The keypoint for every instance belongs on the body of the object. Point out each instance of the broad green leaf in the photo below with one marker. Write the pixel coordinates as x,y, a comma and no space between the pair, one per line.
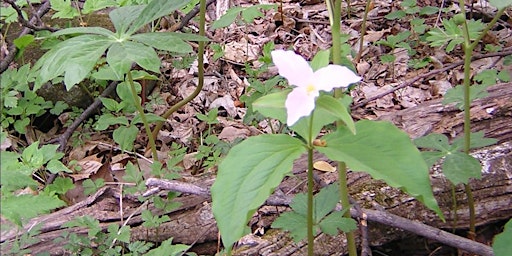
124,16
165,41
247,177
63,9
167,248
125,136
428,10
335,221
75,57
328,105
325,201
23,41
395,15
253,12
459,167
96,5
151,118
107,120
477,141
501,245
154,10
272,105
110,104
121,56
434,141
56,166
456,95
85,30
321,59
385,152
15,209
228,18
500,4
431,157
294,222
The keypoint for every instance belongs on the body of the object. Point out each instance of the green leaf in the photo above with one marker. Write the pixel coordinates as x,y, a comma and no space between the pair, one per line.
96,5
246,178
500,4
61,185
75,58
459,167
395,15
151,118
501,245
63,9
456,95
110,104
125,136
23,41
431,157
121,56
165,41
477,141
325,201
385,152
272,105
124,16
85,30
321,59
253,12
107,120
154,10
335,221
328,105
434,141
59,107
428,10
167,248
56,166
294,222
228,18
15,209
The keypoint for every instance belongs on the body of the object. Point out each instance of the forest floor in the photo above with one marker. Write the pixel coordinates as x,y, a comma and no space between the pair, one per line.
416,75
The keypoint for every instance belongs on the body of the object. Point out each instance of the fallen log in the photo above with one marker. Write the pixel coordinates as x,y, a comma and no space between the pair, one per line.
193,222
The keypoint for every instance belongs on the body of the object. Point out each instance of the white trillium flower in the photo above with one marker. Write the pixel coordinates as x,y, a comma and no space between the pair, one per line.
308,84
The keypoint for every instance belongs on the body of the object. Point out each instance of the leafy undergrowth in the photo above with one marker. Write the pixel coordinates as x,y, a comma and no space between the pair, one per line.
404,41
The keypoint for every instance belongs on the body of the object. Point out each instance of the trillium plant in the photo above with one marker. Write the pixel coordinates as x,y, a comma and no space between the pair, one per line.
254,168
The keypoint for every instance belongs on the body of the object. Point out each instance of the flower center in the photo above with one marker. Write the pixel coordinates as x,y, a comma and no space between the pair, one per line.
310,88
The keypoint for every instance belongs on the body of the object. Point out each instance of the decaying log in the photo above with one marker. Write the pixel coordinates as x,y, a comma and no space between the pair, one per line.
193,222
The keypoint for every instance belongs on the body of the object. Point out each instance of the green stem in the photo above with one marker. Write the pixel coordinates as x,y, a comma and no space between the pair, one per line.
200,67
142,116
342,169
468,48
363,32
311,235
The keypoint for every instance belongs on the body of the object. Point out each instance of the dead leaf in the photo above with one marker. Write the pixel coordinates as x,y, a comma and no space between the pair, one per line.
324,166
231,133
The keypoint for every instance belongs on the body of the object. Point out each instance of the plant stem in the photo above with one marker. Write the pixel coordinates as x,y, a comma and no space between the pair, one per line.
142,116
200,72
311,235
363,31
336,59
468,48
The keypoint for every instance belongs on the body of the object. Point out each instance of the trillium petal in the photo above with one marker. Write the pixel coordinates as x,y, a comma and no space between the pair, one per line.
292,67
298,104
334,76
